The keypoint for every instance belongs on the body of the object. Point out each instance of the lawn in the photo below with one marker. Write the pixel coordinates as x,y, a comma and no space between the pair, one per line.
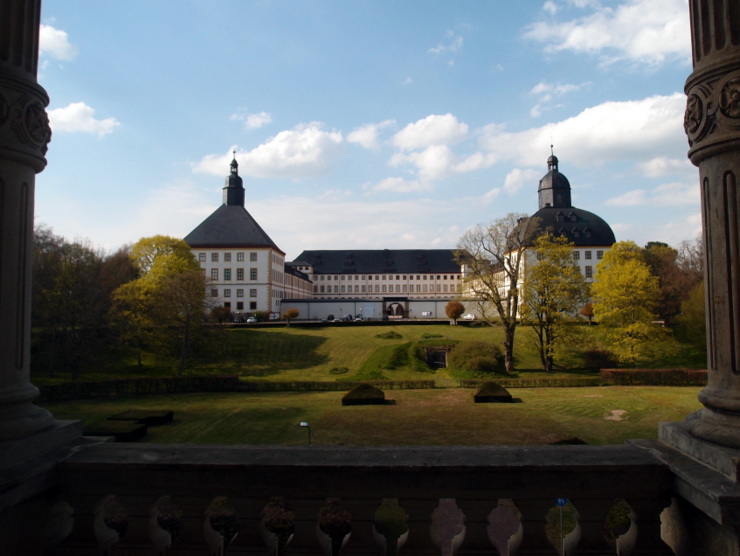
603,415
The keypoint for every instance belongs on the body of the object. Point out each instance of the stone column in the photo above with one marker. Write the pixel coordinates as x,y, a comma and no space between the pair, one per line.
24,135
712,123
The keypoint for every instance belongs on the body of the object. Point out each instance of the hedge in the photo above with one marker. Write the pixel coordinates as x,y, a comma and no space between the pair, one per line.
654,377
338,386
534,382
138,386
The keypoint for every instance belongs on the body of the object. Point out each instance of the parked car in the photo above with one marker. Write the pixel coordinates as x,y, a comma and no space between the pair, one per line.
469,316
252,319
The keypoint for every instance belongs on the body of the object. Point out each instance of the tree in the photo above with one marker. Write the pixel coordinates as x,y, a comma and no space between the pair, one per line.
692,323
554,289
675,281
492,257
626,298
290,314
588,311
454,309
167,302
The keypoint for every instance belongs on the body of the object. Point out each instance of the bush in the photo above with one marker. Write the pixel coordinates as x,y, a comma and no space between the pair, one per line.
492,392
476,357
389,335
364,394
598,359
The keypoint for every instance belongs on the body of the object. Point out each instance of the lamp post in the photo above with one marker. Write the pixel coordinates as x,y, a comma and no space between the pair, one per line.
308,427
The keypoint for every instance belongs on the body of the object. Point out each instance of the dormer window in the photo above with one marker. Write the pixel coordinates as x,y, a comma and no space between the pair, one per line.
560,217
573,217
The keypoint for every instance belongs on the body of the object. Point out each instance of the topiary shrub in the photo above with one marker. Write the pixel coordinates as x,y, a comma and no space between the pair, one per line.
491,392
597,359
364,394
477,357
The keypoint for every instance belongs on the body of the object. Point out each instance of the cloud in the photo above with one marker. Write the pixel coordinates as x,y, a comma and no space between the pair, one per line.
453,45
400,185
252,121
367,135
643,31
304,151
663,166
518,178
665,195
637,129
434,162
79,117
55,44
435,129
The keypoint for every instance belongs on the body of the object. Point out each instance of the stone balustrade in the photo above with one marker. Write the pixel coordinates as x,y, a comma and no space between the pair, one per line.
435,500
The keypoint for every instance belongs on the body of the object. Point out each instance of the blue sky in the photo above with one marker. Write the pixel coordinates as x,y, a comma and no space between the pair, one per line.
363,124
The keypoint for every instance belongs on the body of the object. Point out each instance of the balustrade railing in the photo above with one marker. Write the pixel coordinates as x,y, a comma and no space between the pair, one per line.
176,499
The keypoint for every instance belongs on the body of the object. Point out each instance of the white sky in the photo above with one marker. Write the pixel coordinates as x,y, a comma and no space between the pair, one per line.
364,124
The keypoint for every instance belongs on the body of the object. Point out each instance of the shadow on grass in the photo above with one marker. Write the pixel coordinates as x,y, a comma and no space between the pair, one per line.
261,355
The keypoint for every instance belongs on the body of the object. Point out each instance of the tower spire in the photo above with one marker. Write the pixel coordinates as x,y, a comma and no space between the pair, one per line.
234,188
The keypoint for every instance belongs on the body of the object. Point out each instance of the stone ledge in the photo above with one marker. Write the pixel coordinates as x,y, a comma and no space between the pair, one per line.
722,459
703,487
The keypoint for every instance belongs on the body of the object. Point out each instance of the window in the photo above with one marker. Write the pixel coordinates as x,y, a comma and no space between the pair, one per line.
227,292
214,257
405,288
589,272
253,257
253,305
385,288
425,288
252,273
599,255
336,289
253,292
398,288
227,274
202,257
214,274
588,254
364,288
240,257
214,292
240,292
227,257
377,288
239,305
322,289
357,289
240,274
342,289
576,255
418,288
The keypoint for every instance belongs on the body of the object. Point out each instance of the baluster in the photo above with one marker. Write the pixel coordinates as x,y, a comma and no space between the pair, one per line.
334,527
448,526
220,525
110,523
648,540
505,528
277,525
390,527
165,523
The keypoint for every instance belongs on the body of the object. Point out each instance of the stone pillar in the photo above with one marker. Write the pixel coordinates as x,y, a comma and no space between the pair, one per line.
712,123
24,135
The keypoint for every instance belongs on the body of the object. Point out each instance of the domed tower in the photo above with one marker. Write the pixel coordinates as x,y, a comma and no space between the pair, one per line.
557,215
234,188
554,190
590,235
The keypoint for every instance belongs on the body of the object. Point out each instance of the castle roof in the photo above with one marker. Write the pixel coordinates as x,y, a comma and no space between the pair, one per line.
380,261
231,225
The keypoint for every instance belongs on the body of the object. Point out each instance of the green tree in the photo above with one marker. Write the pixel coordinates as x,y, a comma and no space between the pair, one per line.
626,297
166,303
492,259
454,309
692,323
554,289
